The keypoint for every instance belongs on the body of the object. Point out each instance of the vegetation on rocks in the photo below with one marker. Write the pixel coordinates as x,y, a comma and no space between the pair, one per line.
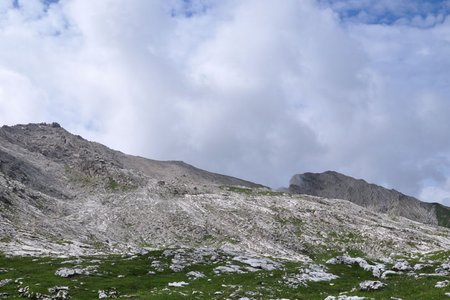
167,275
76,216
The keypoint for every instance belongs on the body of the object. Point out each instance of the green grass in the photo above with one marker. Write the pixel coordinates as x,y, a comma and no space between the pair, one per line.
6,239
443,215
112,184
38,274
250,191
293,224
345,237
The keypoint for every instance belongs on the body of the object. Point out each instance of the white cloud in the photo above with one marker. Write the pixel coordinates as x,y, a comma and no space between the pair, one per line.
437,193
20,99
256,89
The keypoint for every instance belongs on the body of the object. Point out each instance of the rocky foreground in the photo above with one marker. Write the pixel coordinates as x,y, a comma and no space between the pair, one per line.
208,273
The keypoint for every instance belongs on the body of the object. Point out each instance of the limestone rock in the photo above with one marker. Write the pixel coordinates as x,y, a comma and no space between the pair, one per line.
370,285
377,270
442,284
80,198
5,282
402,266
195,275
108,294
313,273
178,284
331,184
69,272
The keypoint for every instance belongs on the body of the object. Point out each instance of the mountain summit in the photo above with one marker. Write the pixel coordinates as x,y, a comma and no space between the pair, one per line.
332,184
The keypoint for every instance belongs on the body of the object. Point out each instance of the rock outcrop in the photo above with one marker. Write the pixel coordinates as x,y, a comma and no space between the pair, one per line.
63,195
331,184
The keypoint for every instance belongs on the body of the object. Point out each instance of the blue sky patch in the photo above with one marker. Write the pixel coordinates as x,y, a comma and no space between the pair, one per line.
386,11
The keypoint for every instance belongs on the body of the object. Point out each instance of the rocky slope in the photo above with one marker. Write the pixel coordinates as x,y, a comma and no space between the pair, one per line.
63,195
335,185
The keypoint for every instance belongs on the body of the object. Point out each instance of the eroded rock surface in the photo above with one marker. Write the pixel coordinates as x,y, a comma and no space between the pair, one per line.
63,195
332,184
69,272
370,285
313,273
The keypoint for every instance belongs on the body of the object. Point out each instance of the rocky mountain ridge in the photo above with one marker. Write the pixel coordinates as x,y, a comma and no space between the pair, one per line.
63,195
332,184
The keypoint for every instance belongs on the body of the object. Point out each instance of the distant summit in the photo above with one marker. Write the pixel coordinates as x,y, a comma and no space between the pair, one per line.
332,184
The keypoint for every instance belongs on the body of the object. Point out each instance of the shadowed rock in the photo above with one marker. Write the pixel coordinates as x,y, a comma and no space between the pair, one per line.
335,185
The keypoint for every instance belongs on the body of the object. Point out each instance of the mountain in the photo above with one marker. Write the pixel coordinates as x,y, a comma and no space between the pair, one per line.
331,184
61,194
68,204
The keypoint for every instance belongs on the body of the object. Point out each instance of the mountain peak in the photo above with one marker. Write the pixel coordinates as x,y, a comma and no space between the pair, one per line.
331,184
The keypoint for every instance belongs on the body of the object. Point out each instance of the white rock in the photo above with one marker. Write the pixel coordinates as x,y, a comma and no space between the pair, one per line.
402,266
228,269
66,272
69,272
178,284
443,269
56,289
62,295
5,282
258,263
314,273
105,294
442,284
102,295
345,297
386,273
370,285
195,275
376,270
418,267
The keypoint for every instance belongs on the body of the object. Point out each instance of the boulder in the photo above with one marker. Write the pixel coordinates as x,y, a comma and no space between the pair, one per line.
442,284
178,284
195,275
69,272
370,285
4,282
402,266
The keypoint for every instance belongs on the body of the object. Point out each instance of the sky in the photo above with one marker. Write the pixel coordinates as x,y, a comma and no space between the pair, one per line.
257,89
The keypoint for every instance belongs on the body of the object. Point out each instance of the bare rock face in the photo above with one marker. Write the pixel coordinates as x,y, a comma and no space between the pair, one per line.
335,185
63,195
58,188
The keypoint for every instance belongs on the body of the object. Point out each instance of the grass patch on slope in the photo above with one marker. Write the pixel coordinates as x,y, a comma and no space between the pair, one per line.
251,191
443,215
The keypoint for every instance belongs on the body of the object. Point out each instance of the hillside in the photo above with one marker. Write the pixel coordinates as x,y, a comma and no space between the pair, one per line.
377,198
98,223
62,193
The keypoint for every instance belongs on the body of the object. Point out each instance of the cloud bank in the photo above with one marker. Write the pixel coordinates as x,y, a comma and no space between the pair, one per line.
258,89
